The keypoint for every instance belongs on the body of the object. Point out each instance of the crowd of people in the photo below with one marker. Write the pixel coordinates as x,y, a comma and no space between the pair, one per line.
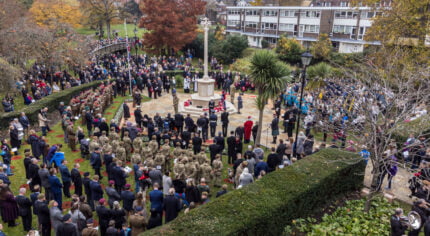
165,157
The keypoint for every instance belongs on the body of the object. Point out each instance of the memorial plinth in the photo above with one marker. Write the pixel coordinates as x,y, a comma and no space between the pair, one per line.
206,89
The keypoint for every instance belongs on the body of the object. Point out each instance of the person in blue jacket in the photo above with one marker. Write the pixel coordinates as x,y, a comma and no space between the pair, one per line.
156,198
66,178
56,187
260,166
57,159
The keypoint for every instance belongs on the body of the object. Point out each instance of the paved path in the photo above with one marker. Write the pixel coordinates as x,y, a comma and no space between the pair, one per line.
399,184
164,105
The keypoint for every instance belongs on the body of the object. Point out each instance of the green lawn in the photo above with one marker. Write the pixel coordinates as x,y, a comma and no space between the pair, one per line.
117,27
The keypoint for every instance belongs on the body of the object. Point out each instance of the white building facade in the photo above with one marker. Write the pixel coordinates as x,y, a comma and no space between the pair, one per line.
345,26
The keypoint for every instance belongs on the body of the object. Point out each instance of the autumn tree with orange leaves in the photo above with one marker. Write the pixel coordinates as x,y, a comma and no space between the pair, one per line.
171,23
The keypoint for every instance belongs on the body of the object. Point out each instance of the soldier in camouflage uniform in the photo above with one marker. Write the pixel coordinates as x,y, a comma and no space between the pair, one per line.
113,135
128,145
103,139
121,153
190,169
146,152
217,170
202,157
137,143
175,103
153,145
159,160
94,144
206,171
179,169
135,158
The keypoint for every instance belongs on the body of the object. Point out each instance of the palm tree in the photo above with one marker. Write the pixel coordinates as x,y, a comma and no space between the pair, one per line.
317,75
269,76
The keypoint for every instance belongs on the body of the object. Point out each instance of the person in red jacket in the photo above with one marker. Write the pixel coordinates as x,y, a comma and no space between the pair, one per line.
248,129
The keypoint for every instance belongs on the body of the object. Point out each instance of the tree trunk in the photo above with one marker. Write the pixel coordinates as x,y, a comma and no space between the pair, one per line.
108,28
260,126
373,186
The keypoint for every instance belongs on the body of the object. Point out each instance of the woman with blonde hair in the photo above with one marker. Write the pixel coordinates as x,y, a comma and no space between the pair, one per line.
118,214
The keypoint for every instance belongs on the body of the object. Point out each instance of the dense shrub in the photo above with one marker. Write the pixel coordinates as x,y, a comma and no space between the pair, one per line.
265,207
349,219
52,101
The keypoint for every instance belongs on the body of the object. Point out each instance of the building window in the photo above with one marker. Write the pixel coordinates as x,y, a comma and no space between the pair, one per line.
271,40
234,12
269,26
346,14
327,4
251,24
343,29
233,23
270,13
343,4
312,28
287,13
252,12
286,27
310,14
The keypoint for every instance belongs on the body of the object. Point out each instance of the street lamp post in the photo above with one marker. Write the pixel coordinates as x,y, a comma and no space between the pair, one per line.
306,60
135,39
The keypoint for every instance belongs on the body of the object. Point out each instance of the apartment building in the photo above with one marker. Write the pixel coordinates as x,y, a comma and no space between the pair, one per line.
345,26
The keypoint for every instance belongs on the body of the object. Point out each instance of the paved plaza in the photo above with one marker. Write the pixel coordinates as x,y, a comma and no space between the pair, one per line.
164,105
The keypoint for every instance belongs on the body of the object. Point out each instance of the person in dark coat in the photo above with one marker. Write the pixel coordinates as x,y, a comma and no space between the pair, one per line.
179,122
107,159
66,178
420,206
8,206
44,178
255,131
275,128
96,162
126,111
197,143
138,116
118,214
56,187
239,132
86,182
24,209
273,160
189,123
155,220
112,194
192,193
33,173
127,198
397,228
27,162
104,127
43,215
67,228
34,140
14,139
214,149
224,121
231,147
77,179
96,189
119,177
171,206
105,216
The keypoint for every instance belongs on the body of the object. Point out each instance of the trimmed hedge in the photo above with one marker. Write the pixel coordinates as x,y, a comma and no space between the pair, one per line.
52,101
265,207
